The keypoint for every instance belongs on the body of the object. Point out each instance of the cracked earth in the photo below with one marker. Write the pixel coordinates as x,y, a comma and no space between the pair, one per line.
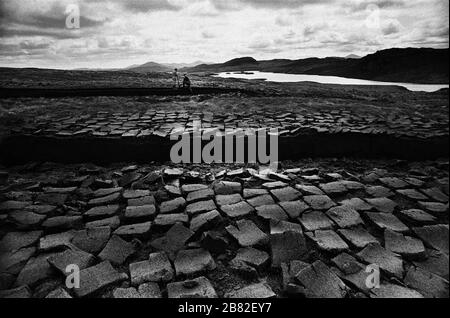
151,231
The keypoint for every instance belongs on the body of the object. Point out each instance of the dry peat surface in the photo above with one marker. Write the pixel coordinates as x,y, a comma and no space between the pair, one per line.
362,188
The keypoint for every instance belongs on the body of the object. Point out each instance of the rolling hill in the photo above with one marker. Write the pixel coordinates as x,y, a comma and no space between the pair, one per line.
153,67
150,67
413,65
353,56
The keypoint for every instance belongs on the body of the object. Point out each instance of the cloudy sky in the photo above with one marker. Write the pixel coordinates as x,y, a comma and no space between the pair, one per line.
118,33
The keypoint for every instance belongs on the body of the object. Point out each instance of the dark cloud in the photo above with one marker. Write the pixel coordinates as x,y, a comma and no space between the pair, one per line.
51,23
54,17
149,5
369,4
43,21
27,32
432,34
280,4
391,28
27,47
2,10
311,30
34,30
30,45
137,6
355,39
443,32
208,35
8,49
430,30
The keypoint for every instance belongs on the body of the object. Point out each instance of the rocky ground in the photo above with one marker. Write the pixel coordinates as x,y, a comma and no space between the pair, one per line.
155,230
298,98
159,230
288,106
145,117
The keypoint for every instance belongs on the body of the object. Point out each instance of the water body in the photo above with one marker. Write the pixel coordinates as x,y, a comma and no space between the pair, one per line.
285,78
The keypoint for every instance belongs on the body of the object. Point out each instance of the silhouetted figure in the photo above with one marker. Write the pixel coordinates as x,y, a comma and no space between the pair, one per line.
176,79
187,83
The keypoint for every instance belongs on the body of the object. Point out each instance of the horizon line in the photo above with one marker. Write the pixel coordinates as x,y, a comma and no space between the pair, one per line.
208,63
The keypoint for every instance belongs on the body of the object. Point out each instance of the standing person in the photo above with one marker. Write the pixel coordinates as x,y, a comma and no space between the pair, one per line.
176,79
187,83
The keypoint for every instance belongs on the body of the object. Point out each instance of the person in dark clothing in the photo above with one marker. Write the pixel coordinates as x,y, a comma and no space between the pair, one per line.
176,79
187,83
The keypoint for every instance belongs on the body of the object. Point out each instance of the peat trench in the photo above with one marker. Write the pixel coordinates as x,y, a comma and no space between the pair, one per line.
18,149
117,91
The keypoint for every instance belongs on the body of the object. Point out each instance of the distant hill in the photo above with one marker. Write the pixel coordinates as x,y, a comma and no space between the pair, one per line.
413,65
153,67
353,56
241,61
405,65
183,65
150,67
